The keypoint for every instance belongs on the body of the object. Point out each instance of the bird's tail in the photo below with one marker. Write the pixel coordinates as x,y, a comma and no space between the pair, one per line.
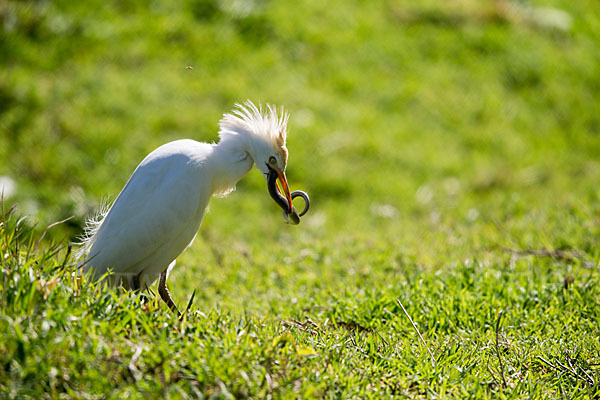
90,231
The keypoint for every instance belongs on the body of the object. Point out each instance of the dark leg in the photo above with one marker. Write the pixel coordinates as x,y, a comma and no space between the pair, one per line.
135,283
164,292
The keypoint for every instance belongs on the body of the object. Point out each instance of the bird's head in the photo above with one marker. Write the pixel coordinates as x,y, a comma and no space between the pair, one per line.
265,132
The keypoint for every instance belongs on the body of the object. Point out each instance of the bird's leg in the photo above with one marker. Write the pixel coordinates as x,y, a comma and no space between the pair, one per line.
164,292
135,283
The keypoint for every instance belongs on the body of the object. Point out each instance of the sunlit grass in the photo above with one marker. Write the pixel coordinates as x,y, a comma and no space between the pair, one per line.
323,321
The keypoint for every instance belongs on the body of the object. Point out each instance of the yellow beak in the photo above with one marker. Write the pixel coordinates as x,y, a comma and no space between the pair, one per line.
284,184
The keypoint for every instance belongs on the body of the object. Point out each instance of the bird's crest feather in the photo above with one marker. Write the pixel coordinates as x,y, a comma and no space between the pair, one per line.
270,123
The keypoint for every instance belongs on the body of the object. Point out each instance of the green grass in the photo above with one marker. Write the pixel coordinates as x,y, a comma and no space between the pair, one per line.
451,152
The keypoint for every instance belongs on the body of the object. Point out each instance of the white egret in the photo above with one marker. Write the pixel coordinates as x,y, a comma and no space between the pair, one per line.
159,211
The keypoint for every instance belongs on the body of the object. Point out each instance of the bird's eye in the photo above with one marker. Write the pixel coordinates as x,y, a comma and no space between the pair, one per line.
272,160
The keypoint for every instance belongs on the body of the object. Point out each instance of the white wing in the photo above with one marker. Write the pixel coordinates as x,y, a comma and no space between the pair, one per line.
156,215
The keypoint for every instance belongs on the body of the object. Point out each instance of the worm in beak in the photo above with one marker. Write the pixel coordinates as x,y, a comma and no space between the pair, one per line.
285,203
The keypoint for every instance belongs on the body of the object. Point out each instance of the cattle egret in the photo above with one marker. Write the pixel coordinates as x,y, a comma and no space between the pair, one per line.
157,214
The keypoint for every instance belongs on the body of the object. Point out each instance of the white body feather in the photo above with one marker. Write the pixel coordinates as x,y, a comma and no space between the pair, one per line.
156,215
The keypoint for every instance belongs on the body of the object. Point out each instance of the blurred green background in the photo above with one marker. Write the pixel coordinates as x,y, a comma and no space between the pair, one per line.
412,122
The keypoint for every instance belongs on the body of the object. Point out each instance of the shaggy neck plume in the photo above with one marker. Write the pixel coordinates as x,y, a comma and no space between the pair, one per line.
231,161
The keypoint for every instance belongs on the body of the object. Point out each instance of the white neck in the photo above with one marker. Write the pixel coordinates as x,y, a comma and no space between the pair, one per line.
230,162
